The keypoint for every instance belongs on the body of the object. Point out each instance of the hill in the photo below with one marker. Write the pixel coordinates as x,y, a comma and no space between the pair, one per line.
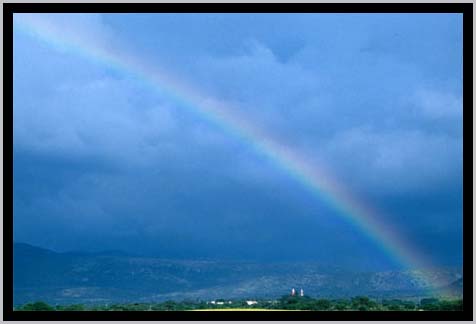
113,276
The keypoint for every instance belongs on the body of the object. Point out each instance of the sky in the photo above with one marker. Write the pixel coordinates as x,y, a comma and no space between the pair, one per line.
104,160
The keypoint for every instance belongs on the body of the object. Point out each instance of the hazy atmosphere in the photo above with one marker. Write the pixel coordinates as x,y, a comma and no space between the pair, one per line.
105,159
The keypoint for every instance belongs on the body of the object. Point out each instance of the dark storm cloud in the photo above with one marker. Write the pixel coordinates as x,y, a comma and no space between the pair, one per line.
103,162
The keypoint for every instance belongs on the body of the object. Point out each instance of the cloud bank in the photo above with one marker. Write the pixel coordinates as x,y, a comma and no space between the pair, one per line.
102,162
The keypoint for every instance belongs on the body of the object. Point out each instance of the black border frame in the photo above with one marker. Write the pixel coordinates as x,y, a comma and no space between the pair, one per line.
465,8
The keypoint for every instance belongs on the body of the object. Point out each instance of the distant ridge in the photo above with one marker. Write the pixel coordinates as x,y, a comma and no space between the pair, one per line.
35,250
103,253
113,276
28,249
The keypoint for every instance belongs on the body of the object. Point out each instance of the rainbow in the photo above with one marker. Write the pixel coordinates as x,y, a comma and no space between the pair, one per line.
313,177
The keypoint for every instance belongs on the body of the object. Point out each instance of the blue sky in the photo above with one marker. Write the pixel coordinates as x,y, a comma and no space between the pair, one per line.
102,161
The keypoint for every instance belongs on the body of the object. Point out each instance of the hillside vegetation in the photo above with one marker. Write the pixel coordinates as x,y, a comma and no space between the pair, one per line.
113,277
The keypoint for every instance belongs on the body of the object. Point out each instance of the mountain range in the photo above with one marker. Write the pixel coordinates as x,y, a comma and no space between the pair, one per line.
117,277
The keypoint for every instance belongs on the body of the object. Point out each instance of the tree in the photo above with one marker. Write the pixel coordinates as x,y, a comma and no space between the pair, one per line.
37,306
77,307
363,303
430,304
341,304
322,304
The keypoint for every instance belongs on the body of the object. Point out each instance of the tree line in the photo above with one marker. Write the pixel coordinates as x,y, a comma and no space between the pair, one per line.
360,303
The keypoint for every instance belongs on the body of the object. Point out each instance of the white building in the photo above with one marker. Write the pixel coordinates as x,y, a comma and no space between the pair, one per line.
251,302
